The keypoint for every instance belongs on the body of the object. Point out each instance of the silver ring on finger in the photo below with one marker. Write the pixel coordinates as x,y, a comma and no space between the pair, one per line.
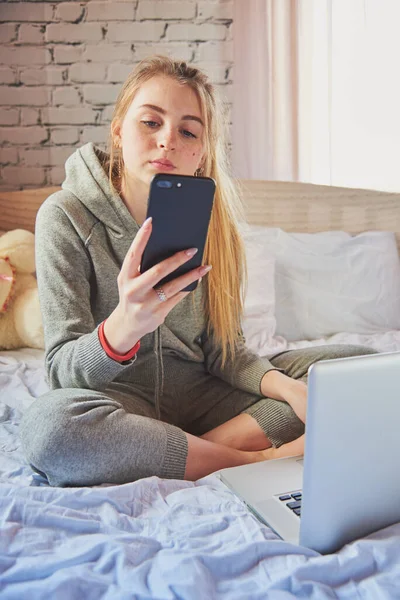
161,294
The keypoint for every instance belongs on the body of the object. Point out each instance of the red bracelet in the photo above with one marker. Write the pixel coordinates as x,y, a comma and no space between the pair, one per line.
110,352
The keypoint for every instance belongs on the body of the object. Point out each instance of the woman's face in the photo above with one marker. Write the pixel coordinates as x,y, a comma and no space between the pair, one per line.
162,131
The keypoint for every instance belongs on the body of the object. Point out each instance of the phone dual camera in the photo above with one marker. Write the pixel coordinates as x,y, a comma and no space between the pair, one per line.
166,184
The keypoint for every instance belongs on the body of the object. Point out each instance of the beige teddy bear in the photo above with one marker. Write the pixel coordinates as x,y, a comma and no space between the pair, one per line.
20,318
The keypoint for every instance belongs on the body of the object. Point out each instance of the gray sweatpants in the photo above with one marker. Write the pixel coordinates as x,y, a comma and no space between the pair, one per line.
82,437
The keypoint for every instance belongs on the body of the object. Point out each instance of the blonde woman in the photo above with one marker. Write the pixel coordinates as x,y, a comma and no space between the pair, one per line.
149,381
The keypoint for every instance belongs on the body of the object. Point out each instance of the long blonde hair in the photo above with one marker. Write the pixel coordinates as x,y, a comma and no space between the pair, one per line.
223,300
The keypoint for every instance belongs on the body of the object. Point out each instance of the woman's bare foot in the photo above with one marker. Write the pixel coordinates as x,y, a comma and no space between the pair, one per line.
205,457
294,448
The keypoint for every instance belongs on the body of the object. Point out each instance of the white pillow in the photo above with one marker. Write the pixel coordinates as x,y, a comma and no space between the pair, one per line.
332,282
259,322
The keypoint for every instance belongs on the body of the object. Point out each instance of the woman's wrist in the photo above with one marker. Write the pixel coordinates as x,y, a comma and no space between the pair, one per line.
115,332
277,385
111,353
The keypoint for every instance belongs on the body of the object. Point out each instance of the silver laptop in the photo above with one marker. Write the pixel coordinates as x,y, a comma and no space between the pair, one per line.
348,484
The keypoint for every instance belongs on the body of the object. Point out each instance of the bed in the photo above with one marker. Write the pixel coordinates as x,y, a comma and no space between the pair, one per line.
166,539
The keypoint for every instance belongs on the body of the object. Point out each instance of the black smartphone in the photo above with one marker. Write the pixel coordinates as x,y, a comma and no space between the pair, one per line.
180,206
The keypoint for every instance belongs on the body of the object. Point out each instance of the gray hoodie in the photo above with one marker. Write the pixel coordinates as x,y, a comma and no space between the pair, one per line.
83,233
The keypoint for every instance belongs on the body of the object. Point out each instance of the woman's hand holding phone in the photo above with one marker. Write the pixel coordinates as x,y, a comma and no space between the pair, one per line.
140,309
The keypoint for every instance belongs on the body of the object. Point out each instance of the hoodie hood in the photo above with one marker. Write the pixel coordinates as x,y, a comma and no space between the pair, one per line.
88,181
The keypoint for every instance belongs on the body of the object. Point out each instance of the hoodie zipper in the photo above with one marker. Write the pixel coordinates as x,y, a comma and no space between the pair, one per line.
159,386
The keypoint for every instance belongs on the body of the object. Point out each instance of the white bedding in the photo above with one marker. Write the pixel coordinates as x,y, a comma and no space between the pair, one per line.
388,341
161,538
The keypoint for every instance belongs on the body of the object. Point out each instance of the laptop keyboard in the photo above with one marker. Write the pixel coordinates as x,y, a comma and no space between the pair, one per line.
292,501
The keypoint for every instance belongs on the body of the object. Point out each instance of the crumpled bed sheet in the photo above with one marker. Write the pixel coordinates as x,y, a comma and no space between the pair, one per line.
159,539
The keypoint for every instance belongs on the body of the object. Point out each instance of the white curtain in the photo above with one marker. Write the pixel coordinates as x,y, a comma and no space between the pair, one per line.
264,132
333,116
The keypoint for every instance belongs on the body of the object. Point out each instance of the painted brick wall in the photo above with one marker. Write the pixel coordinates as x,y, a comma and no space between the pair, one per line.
63,63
